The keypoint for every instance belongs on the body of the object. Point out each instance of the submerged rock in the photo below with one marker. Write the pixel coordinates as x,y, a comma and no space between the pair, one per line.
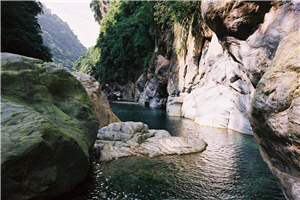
100,103
48,127
133,138
276,116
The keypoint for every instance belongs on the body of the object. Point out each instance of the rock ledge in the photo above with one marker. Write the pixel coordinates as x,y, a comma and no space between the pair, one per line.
123,139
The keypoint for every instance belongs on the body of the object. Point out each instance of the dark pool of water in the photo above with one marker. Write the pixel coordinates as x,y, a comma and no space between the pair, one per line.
230,168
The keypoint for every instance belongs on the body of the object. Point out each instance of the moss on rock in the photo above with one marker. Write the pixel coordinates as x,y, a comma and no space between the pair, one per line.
48,128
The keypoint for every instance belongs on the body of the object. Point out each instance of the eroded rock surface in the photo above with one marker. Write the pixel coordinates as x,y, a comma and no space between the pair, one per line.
48,127
218,87
100,103
154,93
276,116
133,139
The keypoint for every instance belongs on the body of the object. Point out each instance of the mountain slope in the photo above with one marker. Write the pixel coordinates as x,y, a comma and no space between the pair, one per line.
57,35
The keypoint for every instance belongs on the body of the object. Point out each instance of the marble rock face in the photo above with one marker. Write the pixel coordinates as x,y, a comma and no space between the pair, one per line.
219,77
100,103
276,116
134,139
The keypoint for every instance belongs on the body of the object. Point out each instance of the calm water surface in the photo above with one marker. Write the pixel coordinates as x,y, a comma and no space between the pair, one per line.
230,168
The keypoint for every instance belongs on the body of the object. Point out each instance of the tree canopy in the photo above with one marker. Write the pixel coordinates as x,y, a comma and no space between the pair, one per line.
20,31
127,36
87,61
125,41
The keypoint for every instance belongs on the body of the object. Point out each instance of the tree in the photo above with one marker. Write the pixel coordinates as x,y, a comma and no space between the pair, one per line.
125,41
20,31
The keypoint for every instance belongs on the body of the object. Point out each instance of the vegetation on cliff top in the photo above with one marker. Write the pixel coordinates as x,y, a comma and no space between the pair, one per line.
57,35
20,31
127,37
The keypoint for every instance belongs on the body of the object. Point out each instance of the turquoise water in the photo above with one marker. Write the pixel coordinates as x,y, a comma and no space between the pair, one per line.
230,168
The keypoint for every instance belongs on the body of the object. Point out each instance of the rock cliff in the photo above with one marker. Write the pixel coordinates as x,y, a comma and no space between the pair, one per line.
218,91
276,115
100,103
218,60
48,127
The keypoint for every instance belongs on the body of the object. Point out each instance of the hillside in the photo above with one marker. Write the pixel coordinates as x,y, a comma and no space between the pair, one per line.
57,35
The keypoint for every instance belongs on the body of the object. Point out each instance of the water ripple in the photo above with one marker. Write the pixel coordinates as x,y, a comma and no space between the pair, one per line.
230,168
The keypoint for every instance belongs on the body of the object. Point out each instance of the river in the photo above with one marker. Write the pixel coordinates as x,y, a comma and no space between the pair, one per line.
230,168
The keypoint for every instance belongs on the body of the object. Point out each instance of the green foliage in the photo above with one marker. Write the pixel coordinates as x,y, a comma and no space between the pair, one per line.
87,61
125,41
181,12
126,38
64,44
175,11
20,31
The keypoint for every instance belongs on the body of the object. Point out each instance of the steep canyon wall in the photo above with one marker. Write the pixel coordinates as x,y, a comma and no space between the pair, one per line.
226,52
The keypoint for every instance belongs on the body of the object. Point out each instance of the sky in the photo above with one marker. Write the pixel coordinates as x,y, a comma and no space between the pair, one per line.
78,15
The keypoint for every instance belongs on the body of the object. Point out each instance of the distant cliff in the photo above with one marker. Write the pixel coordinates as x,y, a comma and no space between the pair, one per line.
57,35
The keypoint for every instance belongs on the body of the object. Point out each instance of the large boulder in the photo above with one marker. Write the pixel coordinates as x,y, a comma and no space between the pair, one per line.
276,116
100,103
48,127
134,139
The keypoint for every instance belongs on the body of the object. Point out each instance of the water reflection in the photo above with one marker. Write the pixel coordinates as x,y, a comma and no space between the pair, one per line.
230,168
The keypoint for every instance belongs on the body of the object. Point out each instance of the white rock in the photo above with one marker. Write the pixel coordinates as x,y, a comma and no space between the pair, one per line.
115,144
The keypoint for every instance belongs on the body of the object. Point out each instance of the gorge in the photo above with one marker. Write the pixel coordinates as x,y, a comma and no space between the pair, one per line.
207,68
224,71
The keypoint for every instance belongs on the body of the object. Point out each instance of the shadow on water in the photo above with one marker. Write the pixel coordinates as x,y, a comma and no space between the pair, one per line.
230,168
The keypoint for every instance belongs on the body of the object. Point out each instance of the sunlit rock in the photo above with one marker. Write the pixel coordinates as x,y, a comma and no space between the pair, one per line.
223,97
100,103
174,105
219,84
115,141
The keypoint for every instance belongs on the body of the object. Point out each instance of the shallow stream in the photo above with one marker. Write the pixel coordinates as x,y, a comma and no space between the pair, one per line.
230,168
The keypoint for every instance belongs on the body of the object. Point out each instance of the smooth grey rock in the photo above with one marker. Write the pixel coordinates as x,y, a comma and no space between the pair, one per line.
174,105
127,128
159,134
214,102
115,126
276,116
148,143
